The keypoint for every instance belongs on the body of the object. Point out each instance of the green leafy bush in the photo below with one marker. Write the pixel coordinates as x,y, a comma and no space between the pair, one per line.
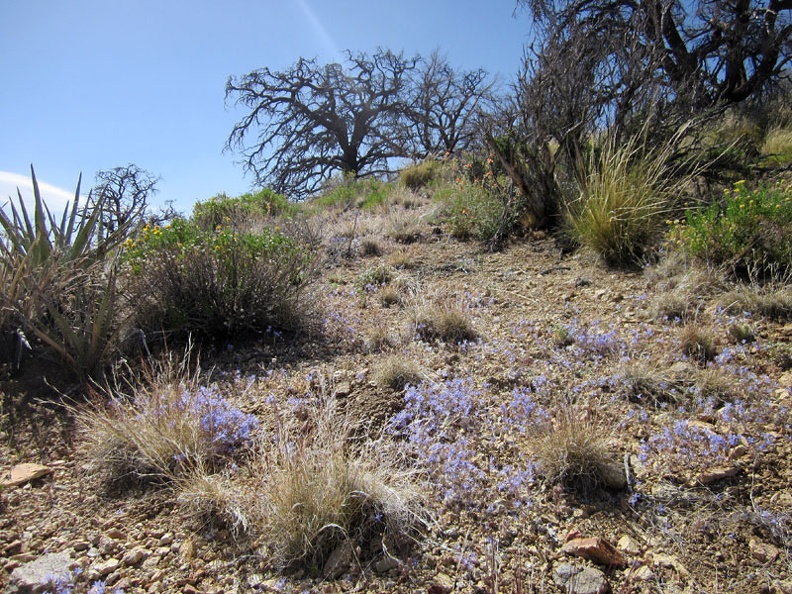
223,210
218,284
749,231
473,212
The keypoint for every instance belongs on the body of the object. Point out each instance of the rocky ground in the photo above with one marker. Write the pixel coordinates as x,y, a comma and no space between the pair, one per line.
698,440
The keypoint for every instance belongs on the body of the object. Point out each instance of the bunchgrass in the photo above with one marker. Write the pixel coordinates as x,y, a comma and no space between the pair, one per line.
319,490
698,342
396,372
574,451
625,196
447,322
170,427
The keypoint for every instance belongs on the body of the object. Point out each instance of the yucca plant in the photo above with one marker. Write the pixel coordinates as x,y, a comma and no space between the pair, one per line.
61,279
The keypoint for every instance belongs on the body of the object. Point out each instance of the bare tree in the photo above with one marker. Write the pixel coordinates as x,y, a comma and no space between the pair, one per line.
310,121
122,194
706,52
445,107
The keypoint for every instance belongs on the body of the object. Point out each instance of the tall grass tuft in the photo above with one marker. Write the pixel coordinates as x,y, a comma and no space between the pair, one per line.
625,195
321,491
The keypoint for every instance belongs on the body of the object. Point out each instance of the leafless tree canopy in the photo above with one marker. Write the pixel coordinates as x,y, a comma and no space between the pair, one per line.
123,194
311,121
445,107
704,52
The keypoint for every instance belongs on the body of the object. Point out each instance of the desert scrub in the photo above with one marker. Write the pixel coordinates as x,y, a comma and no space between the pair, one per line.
218,284
320,491
749,231
473,211
396,372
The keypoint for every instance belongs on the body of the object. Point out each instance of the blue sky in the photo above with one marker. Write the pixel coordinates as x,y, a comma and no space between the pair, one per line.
93,84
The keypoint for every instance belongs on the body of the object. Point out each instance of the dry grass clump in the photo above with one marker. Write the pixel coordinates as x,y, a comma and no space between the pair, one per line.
404,227
683,291
573,450
698,342
445,322
773,301
370,248
170,427
644,383
213,500
319,492
396,372
404,258
390,295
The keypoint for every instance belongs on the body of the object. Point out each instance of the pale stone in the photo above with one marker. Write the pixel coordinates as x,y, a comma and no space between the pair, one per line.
24,473
39,574
595,549
589,581
629,545
763,552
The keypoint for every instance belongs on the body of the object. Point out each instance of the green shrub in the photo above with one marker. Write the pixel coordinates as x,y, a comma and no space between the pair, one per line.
474,213
222,210
218,284
420,175
750,231
354,193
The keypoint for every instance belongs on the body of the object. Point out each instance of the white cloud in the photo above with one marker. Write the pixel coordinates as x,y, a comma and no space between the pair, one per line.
54,197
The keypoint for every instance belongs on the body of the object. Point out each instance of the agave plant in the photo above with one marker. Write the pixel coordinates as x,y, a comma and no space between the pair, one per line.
61,279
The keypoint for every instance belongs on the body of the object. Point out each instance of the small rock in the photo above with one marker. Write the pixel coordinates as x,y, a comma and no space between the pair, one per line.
763,552
24,473
38,574
166,539
340,560
442,584
343,389
115,534
629,545
589,581
595,549
563,573
135,556
13,548
717,473
669,561
643,574
105,567
81,545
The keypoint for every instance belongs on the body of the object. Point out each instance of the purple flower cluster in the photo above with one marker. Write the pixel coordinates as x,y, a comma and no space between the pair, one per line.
451,433
685,445
224,428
